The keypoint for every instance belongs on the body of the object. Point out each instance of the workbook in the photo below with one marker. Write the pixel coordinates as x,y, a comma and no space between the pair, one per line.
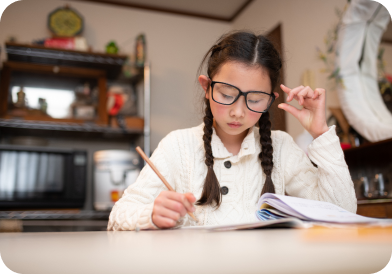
279,211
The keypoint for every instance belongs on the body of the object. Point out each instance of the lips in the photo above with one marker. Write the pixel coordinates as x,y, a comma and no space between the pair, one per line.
234,124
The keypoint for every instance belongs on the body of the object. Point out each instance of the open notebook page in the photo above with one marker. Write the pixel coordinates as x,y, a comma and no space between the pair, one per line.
315,210
281,223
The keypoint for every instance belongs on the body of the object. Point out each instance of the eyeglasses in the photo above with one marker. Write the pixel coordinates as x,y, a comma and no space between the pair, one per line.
226,94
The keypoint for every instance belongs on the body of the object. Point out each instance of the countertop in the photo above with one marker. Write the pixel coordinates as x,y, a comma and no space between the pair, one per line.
316,250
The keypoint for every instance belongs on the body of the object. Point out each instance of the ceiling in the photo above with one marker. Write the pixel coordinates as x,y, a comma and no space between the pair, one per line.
223,10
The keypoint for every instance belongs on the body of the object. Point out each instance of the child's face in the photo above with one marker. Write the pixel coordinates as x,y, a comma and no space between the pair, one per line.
236,118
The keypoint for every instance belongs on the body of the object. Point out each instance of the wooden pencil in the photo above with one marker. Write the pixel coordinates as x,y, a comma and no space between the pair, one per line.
144,156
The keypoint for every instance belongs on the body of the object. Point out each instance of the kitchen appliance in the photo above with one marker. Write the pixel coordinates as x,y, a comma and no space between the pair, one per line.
115,170
42,177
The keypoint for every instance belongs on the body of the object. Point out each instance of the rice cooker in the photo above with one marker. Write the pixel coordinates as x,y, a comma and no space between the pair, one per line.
115,170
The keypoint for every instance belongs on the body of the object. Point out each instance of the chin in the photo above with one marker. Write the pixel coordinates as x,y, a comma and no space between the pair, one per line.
235,131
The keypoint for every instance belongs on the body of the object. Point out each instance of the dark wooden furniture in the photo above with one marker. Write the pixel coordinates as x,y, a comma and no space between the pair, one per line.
367,160
38,63
35,64
375,208
10,67
25,53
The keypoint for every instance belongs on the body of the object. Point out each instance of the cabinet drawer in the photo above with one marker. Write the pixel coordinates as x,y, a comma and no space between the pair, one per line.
382,210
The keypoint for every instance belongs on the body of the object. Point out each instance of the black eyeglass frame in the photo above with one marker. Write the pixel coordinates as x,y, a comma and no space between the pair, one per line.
241,93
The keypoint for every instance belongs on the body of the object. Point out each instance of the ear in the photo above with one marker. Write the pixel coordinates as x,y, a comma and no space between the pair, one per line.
204,83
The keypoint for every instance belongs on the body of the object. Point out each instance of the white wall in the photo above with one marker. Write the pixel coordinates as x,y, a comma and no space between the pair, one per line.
304,25
175,46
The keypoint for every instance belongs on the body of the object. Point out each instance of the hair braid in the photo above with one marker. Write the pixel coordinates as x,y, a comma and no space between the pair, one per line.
265,155
211,190
208,122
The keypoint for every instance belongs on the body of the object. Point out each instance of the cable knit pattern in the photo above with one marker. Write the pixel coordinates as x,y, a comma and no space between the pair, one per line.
180,158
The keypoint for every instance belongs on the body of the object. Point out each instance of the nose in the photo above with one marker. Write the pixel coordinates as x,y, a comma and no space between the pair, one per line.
238,108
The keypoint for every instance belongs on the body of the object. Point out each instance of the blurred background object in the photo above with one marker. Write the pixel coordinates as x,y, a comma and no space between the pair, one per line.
112,48
11,226
359,37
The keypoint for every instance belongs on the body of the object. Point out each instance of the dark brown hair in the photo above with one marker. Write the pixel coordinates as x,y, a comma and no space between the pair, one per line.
252,50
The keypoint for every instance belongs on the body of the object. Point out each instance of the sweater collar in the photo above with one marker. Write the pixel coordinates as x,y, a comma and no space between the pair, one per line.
219,150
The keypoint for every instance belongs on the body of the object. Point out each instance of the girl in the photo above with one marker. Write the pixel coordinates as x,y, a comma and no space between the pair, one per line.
220,168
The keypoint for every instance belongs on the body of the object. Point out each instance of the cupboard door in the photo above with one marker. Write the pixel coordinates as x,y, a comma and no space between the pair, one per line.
382,210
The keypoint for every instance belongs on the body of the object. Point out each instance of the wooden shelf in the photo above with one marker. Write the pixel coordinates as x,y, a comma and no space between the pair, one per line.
10,67
368,160
369,145
62,129
55,215
377,156
374,201
380,210
110,63
60,70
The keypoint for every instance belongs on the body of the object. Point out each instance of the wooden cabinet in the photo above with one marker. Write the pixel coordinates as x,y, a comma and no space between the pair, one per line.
375,209
43,67
48,66
47,71
368,160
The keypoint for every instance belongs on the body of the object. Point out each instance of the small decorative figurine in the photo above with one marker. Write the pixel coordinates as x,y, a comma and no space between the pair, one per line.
21,100
43,105
140,50
111,48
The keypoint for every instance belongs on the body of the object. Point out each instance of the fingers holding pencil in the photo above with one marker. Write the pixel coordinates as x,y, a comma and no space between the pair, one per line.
165,211
170,206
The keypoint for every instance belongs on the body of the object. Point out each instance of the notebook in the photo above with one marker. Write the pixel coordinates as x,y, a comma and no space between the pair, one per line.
279,211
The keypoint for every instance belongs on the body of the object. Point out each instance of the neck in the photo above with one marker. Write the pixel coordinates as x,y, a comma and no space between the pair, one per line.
231,142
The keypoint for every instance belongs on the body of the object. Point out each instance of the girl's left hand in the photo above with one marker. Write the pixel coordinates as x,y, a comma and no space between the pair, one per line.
312,115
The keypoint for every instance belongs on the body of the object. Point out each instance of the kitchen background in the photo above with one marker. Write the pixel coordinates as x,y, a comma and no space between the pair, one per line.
177,35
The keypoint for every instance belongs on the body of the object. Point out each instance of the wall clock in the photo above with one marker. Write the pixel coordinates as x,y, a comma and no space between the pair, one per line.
65,22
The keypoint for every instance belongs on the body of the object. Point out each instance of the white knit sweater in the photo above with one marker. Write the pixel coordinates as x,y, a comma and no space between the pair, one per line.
180,158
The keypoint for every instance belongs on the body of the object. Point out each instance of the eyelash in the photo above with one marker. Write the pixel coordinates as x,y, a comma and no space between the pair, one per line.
253,102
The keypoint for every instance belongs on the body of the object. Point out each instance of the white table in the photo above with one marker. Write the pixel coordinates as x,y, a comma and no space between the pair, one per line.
186,251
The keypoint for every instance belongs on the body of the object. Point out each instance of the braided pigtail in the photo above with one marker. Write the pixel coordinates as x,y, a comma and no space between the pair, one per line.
211,189
265,155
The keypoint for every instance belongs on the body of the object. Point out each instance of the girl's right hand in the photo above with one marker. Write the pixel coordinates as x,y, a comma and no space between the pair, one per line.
170,206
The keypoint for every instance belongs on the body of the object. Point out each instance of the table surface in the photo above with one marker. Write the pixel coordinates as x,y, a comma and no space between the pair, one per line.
316,250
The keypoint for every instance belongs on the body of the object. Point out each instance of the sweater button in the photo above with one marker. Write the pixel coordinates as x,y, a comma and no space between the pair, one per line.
227,164
224,190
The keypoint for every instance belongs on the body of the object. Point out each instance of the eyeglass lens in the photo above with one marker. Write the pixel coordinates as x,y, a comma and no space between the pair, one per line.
226,94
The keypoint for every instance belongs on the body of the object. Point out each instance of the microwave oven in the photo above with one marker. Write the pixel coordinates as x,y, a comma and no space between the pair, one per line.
42,177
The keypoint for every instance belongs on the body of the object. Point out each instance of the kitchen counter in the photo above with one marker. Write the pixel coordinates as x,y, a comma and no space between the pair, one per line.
316,250
59,220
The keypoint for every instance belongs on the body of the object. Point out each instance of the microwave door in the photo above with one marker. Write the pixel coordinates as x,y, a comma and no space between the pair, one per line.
4,170
8,174
55,173
59,173
32,173
21,178
50,174
42,172
42,177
